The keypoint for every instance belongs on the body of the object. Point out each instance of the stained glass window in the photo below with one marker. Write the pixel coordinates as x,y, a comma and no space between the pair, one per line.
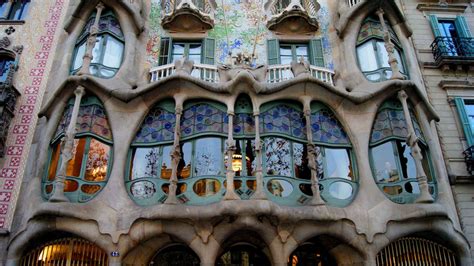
204,118
108,50
158,126
87,171
283,119
327,129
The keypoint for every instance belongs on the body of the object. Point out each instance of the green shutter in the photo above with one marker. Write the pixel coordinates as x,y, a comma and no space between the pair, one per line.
166,47
316,53
435,25
208,48
461,27
273,52
464,120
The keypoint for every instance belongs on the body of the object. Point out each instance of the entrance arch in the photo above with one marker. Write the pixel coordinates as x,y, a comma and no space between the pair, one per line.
243,254
308,254
175,255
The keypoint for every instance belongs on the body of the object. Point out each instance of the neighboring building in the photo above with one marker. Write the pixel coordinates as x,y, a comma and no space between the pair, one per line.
179,132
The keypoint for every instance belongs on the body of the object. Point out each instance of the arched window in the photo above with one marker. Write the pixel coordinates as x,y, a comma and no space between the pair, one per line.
243,161
204,129
150,160
335,162
178,255
372,54
108,49
393,166
66,251
88,170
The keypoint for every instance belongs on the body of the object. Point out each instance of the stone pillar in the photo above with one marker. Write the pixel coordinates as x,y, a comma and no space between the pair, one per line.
175,158
259,192
67,146
87,59
390,47
313,153
230,174
412,141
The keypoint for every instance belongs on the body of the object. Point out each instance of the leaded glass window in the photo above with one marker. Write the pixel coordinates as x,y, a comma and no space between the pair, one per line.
87,171
393,165
108,49
372,54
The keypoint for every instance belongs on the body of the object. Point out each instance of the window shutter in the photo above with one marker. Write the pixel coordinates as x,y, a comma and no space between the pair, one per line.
435,26
208,48
464,120
316,52
273,52
462,27
166,46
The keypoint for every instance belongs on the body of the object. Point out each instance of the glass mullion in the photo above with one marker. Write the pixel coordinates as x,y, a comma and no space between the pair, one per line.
84,158
378,56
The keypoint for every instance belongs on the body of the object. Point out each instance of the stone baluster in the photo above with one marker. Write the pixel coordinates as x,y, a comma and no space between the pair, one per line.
175,158
259,193
390,47
230,174
91,40
313,153
412,140
67,146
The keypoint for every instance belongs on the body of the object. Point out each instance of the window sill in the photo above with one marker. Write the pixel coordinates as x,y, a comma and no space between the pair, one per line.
12,22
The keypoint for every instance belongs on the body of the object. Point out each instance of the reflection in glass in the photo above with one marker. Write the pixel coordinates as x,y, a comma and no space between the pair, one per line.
300,161
184,165
97,161
277,156
280,188
143,189
74,165
90,189
54,161
338,163
70,185
407,161
209,157
340,190
145,162
181,188
166,163
207,187
384,163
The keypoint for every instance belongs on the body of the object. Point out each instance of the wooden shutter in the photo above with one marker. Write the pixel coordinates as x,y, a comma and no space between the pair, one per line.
273,52
464,120
461,27
166,47
208,51
435,25
316,53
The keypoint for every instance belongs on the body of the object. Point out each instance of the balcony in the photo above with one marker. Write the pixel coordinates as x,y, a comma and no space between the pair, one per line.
448,51
351,3
469,159
275,73
188,15
294,17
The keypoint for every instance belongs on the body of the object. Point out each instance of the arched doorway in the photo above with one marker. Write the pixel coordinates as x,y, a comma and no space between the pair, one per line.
176,255
310,254
243,254
65,251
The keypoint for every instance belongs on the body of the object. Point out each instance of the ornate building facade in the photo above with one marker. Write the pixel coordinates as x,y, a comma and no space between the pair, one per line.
238,132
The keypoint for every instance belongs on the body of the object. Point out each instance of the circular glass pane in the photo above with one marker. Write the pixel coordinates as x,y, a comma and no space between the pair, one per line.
279,187
207,187
340,190
143,189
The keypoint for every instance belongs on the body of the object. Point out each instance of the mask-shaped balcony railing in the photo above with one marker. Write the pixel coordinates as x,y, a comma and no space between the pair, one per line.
294,17
188,15
453,49
8,96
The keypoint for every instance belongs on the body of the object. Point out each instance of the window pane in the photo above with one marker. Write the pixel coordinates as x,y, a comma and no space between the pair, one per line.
300,160
77,63
54,161
285,50
3,9
277,156
145,162
406,160
166,162
469,106
250,157
184,166
301,51
96,50
178,51
209,157
338,163
383,55
286,59
195,49
366,56
385,167
16,11
97,161
75,164
399,60
113,53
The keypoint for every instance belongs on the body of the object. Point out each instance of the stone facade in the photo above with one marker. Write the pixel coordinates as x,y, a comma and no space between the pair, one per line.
131,225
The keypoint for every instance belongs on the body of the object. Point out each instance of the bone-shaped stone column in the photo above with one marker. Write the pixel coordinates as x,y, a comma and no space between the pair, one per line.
390,47
230,174
175,158
259,193
91,40
313,153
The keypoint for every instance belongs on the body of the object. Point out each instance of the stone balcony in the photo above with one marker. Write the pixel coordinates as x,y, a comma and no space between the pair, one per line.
295,17
453,52
188,15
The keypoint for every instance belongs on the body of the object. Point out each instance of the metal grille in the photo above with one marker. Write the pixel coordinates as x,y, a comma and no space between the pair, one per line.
67,252
415,251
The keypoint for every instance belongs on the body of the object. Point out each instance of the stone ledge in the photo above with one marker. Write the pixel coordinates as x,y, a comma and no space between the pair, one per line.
455,8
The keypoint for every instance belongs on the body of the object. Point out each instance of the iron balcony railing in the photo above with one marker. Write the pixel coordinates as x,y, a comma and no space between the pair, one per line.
469,159
453,48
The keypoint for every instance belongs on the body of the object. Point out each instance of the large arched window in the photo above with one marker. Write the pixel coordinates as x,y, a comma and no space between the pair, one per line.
150,160
372,54
176,255
392,163
108,49
88,170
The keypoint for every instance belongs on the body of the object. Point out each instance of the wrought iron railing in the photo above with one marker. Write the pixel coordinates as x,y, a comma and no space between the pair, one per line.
469,159
452,48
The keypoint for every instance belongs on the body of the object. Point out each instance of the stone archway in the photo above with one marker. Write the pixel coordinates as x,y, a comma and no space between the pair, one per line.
175,255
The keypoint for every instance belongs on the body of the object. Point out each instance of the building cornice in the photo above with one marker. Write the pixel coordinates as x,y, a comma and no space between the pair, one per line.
435,7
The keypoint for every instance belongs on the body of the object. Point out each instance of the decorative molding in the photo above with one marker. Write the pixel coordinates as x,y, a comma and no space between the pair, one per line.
456,84
436,7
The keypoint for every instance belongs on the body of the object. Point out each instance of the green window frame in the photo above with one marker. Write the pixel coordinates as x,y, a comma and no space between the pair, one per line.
466,117
14,10
446,43
315,54
168,53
